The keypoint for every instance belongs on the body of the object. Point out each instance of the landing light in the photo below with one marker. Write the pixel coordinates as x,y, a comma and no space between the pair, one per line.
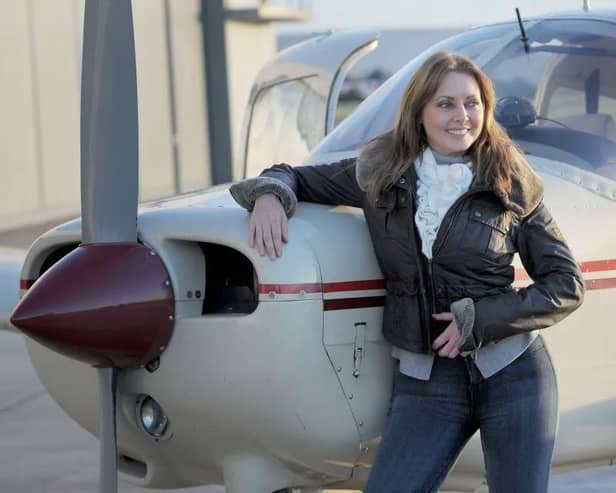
152,417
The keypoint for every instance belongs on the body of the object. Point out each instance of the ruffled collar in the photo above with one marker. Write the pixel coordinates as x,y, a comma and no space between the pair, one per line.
438,187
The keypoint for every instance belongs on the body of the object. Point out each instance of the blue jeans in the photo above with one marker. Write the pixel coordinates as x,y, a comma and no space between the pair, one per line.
516,410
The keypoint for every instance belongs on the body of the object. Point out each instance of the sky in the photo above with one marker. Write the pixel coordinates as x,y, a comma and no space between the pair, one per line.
336,14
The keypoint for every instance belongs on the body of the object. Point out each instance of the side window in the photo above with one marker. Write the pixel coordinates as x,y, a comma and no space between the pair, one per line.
583,101
287,121
356,88
566,102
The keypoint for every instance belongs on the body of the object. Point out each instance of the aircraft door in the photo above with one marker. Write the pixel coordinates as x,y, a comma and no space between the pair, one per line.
293,101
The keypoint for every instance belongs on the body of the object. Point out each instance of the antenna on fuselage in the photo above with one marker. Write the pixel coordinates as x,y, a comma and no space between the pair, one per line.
586,6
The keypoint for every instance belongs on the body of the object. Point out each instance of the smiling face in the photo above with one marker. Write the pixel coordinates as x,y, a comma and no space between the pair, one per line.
453,117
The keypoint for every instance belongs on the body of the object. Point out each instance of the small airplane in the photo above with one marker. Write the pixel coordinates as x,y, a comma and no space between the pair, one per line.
218,366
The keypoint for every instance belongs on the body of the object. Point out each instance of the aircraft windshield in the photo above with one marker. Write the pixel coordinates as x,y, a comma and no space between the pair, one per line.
558,100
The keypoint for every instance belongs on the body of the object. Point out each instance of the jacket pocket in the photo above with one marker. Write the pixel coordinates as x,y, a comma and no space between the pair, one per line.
489,232
401,315
393,214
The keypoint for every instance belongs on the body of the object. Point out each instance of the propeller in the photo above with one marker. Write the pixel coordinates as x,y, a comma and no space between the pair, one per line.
108,303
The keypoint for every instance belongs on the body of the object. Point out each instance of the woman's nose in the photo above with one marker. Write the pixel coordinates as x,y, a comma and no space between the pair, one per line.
460,113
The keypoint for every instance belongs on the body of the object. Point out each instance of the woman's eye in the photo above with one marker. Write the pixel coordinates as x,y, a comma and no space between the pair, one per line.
472,104
444,104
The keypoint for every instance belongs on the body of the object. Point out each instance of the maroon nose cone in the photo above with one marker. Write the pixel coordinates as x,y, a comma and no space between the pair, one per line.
103,304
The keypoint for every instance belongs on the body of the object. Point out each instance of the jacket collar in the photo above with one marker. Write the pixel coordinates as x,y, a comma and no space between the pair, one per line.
526,186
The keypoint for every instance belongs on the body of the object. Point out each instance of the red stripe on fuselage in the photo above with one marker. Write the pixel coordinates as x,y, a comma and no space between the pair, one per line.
590,266
334,287
600,283
350,303
372,284
328,287
597,265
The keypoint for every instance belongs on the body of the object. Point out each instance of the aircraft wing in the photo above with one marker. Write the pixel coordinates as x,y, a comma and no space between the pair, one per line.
11,261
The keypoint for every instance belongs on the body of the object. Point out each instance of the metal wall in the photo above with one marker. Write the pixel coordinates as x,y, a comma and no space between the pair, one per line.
40,60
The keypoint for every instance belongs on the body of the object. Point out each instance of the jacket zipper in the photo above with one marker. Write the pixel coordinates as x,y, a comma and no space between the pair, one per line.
426,317
431,306
451,216
432,291
453,213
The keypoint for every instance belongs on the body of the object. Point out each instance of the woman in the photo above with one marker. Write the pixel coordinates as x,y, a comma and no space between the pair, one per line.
449,199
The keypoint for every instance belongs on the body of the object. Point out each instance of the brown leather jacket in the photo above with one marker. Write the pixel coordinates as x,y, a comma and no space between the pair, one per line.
472,253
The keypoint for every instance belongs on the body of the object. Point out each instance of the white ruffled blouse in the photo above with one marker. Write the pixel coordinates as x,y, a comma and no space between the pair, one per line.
438,187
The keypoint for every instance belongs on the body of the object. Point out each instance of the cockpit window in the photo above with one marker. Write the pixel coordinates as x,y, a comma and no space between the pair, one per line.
557,94
287,121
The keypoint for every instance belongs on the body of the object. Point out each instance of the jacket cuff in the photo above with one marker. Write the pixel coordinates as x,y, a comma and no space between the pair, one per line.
464,313
247,191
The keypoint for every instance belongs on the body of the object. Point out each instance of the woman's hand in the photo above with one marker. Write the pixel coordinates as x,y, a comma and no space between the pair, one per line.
448,343
268,226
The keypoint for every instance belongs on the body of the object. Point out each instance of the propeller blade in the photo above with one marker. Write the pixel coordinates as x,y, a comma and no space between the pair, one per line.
109,165
109,126
109,302
108,477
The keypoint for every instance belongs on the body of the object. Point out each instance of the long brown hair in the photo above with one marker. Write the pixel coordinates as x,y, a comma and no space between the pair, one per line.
494,155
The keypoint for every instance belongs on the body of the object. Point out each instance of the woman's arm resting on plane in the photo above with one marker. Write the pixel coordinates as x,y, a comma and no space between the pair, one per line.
267,229
272,198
